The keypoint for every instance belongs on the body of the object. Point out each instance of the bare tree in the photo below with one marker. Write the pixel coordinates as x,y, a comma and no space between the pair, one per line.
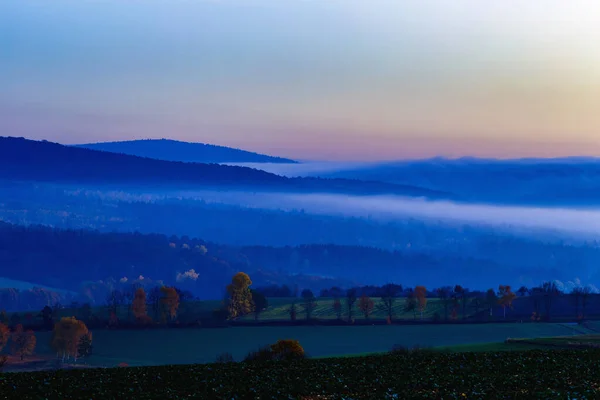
477,302
550,291
308,302
389,293
461,294
585,299
491,299
576,295
536,294
350,300
153,297
444,293
410,303
114,299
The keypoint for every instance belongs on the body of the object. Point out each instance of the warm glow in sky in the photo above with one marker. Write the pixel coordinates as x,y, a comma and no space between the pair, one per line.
312,79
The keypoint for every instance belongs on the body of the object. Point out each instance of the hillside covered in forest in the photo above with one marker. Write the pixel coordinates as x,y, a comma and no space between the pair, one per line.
175,150
41,161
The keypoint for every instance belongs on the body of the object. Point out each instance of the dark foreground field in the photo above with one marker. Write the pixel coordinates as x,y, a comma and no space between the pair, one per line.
524,375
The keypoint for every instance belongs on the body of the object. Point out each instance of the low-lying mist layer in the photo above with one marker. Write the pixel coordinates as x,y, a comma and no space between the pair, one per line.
516,245
566,220
568,182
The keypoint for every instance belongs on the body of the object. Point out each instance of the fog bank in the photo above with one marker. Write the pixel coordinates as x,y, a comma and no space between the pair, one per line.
388,208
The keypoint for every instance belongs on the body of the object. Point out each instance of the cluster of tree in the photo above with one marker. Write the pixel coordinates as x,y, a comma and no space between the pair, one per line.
162,301
22,342
548,297
160,304
71,339
458,301
132,306
369,290
347,301
281,291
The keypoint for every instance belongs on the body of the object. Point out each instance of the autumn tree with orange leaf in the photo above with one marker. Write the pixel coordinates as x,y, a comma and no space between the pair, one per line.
240,297
366,305
505,297
66,337
421,297
389,295
460,295
138,305
350,300
287,349
169,302
22,342
4,335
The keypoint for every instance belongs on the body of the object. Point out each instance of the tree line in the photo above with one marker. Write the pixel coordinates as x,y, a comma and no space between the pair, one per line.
161,305
70,338
539,303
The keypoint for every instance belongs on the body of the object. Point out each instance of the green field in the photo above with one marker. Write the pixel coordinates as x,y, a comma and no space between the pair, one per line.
278,310
189,346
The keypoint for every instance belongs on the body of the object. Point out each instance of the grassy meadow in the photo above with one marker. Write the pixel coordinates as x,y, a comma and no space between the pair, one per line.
190,346
278,310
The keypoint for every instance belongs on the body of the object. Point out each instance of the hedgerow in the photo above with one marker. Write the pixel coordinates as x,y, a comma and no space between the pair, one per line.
525,375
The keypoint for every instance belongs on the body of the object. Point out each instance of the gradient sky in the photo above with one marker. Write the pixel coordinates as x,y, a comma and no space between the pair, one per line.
321,79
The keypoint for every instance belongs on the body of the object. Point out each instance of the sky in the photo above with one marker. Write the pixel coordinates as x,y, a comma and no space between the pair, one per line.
338,80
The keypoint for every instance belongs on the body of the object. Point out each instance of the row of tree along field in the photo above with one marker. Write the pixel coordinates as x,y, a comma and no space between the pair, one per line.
169,306
70,338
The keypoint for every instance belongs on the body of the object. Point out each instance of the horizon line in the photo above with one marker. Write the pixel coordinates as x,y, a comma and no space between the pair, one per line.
301,160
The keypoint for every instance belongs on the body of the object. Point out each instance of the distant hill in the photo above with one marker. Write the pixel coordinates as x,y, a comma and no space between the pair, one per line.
41,161
173,150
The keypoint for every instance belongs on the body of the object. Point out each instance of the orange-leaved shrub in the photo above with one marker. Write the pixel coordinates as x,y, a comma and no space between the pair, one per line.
286,349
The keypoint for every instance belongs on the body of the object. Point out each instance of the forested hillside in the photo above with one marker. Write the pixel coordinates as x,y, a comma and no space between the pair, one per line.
28,160
458,253
174,150
68,258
